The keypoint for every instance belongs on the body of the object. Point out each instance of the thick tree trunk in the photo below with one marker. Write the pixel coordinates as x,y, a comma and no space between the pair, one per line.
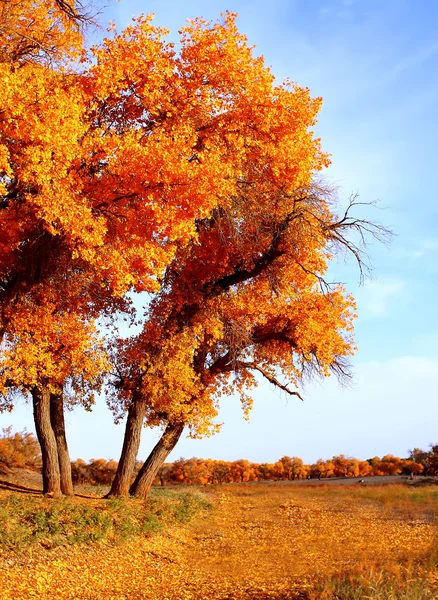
131,444
58,426
46,438
155,460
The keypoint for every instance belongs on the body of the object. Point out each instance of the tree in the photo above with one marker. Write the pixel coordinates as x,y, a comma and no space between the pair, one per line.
80,473
188,175
422,458
19,449
411,467
365,468
293,467
41,123
434,459
248,294
55,357
340,465
390,465
104,172
375,465
241,470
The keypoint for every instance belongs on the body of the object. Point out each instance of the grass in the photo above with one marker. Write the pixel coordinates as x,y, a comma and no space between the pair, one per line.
324,542
410,582
27,521
277,542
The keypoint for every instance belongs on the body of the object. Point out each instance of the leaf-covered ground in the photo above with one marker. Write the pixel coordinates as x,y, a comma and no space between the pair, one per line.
260,541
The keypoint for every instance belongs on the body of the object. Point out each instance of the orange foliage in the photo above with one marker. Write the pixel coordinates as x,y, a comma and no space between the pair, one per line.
207,471
19,449
189,174
246,294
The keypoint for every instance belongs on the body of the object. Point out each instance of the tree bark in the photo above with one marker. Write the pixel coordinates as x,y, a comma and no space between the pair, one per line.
155,460
46,438
131,444
58,426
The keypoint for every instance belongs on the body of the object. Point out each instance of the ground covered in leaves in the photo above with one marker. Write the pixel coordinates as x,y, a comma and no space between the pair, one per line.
258,541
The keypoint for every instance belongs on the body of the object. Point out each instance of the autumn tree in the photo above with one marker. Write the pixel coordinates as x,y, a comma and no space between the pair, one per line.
294,467
427,459
411,467
341,465
80,473
247,295
19,449
164,474
323,468
41,123
107,161
365,468
189,175
390,465
241,470
434,458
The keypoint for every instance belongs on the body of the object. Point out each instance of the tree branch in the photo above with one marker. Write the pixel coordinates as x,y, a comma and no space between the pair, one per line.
262,263
269,377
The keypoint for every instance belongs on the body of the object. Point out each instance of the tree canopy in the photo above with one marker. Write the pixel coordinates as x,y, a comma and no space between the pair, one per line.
185,172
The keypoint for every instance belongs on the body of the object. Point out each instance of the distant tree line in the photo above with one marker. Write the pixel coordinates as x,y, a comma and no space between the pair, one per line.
21,449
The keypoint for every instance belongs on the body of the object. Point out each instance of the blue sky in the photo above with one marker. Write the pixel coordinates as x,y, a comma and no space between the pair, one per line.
376,66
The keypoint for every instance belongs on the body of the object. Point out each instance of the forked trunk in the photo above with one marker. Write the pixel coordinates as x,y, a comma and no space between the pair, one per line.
46,438
58,426
156,459
131,444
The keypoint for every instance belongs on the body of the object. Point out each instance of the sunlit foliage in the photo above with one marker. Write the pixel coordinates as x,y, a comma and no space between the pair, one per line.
19,449
262,541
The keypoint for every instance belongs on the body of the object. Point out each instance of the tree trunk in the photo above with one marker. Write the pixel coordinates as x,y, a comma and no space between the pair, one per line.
131,444
46,438
155,460
58,426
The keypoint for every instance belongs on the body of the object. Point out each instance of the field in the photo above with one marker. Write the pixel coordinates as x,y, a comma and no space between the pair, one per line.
237,541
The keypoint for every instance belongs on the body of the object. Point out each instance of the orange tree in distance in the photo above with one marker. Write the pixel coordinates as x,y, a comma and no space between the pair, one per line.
107,166
247,294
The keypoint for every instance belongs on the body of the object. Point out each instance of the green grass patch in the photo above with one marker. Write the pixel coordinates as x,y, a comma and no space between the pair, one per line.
27,521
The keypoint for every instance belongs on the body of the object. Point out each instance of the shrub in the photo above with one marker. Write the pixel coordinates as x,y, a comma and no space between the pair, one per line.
20,449
28,521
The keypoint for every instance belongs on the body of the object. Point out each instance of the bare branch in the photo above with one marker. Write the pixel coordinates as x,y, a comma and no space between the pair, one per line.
267,333
262,263
269,377
75,11
363,228
223,364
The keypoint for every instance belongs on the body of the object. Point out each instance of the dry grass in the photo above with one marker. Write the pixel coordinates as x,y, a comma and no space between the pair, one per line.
262,541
